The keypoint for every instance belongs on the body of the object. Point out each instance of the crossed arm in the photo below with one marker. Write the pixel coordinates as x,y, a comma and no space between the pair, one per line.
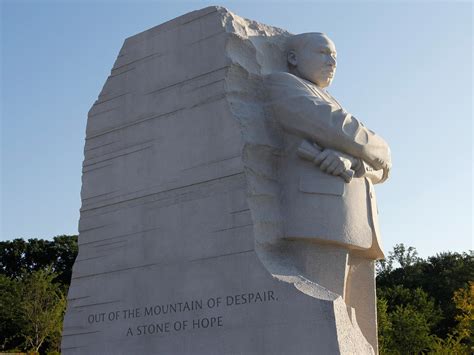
347,142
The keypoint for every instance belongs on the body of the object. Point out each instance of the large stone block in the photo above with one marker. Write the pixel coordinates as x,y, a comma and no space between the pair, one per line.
179,206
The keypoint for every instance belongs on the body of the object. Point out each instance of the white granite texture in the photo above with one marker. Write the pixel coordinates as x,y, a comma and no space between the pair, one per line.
182,245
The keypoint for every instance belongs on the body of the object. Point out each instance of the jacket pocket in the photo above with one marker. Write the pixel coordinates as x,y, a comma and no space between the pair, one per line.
332,185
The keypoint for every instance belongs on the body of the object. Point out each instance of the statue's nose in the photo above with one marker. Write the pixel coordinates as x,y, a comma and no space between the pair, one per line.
332,61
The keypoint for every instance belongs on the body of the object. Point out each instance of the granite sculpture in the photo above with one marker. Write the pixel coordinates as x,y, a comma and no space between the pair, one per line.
227,199
327,169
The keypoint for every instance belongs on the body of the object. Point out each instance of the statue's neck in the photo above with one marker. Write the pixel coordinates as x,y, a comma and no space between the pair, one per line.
295,72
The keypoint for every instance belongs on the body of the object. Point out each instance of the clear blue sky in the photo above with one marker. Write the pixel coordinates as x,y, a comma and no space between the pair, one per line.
404,69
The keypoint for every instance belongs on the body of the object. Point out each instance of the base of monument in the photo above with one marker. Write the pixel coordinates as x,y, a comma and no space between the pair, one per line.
223,305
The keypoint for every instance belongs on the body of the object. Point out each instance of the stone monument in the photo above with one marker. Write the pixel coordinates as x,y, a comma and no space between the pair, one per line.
227,201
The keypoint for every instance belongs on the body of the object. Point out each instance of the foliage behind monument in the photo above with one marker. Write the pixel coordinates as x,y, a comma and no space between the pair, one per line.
34,277
423,303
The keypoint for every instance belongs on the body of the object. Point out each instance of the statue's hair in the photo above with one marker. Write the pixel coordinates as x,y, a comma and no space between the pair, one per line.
296,42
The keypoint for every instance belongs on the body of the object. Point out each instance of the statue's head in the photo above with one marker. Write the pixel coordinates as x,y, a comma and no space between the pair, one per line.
312,56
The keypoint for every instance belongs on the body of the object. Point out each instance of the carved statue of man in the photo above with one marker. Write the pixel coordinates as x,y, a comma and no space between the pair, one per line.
329,164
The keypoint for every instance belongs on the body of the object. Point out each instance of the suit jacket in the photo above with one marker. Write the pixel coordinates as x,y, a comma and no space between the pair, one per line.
317,205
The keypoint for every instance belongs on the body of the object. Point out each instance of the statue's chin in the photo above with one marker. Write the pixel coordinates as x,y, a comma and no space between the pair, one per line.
318,79
325,83
322,83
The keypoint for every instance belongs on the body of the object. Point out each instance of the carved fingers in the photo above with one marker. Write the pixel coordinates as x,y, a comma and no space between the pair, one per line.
335,164
322,156
380,157
332,162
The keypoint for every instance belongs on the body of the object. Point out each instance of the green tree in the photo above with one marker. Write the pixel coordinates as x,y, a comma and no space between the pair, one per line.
410,331
41,309
384,326
444,275
400,255
20,262
464,301
460,340
9,327
425,305
406,320
400,297
439,276
18,256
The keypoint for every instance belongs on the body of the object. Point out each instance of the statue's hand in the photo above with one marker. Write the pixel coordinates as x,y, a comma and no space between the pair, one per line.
380,164
332,162
386,166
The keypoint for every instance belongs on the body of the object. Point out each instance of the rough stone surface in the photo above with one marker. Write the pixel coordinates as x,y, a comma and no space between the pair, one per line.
180,206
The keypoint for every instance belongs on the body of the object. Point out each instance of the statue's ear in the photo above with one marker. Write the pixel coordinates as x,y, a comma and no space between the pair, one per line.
291,58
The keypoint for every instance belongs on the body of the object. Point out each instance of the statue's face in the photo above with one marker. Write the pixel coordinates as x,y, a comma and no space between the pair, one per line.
316,61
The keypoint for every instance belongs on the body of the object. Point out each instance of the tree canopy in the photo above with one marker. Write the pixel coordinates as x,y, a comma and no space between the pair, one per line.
34,277
425,305
20,256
